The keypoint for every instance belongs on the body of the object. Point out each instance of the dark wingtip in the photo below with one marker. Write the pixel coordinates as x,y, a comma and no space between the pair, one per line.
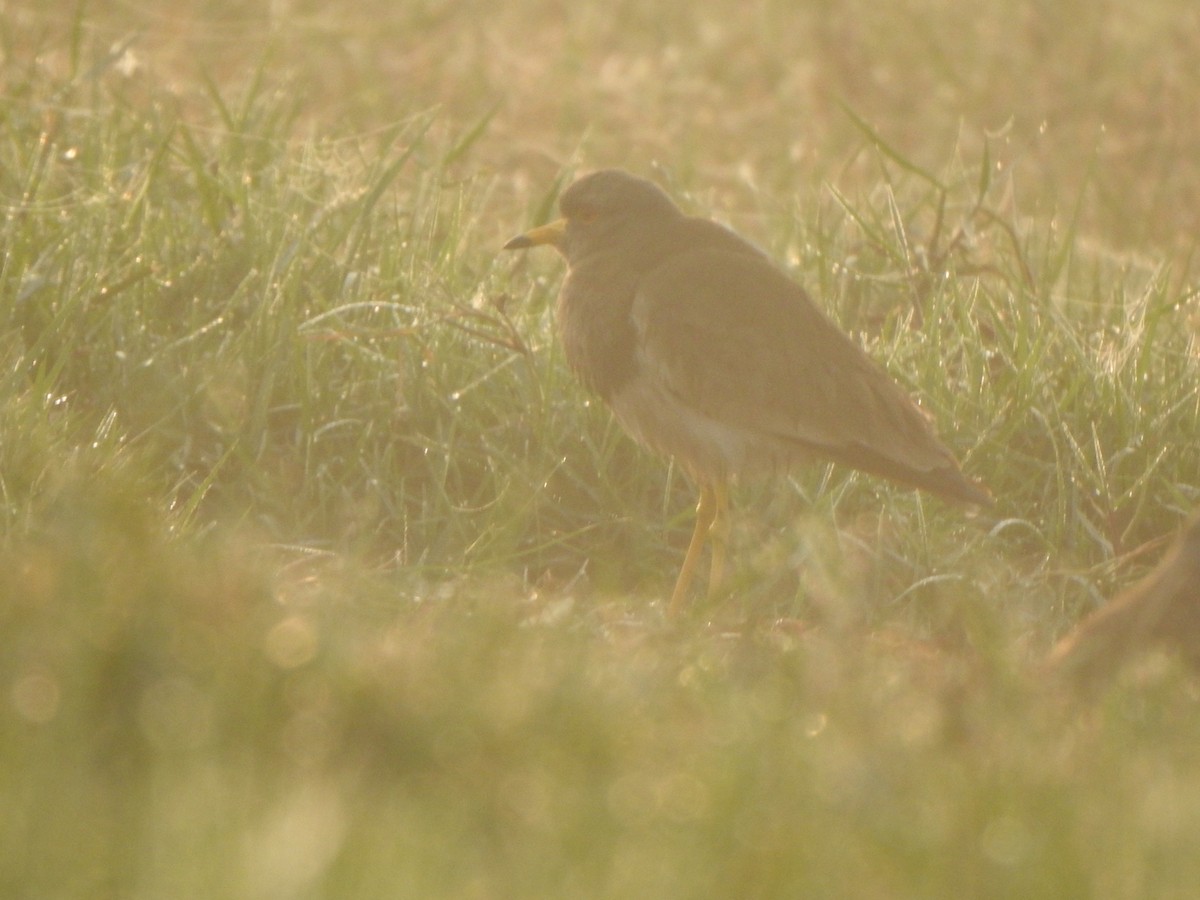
951,484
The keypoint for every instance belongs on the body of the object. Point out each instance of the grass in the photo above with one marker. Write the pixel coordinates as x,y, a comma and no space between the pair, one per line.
320,576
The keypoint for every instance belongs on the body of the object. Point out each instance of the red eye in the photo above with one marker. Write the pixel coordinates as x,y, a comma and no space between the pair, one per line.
585,214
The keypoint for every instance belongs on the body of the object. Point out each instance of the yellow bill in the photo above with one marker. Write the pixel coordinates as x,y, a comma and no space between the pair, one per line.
543,234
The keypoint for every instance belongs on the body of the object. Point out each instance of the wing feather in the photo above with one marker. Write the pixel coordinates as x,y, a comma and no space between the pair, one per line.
734,339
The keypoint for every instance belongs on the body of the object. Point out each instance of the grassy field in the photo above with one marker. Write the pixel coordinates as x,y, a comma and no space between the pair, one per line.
320,576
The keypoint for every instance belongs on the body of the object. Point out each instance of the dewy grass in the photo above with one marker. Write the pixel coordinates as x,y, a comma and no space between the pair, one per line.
321,576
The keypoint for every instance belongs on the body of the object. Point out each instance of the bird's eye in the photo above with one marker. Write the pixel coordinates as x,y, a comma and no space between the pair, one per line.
585,214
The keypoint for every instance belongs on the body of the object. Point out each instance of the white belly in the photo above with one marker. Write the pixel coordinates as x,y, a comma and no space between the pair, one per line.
709,450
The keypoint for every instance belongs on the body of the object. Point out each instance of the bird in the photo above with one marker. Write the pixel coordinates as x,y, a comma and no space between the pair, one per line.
707,352
1161,610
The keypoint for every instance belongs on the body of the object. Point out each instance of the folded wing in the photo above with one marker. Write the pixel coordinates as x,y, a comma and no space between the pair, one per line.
734,339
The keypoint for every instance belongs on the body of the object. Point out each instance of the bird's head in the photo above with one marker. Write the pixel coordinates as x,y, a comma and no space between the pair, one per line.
607,211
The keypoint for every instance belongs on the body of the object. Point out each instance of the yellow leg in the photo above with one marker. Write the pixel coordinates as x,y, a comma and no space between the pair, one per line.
706,512
718,533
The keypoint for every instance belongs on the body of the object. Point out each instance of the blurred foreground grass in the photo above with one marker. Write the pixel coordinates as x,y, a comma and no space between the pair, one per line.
320,577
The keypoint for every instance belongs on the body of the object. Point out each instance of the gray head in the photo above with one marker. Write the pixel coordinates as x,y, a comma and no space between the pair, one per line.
613,210
607,211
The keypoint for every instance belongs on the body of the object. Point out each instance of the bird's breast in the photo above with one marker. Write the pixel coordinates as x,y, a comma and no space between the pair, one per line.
596,331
